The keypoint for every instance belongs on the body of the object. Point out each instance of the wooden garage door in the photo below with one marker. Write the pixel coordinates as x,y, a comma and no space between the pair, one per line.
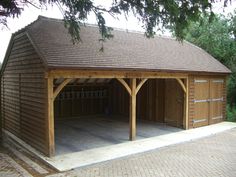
216,100
208,99
201,102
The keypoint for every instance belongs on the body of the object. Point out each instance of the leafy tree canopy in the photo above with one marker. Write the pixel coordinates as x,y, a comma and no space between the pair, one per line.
152,13
219,39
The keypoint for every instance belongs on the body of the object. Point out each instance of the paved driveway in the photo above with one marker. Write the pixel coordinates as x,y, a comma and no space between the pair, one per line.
212,156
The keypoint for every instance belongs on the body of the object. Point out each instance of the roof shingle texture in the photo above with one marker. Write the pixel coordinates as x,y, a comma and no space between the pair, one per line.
126,51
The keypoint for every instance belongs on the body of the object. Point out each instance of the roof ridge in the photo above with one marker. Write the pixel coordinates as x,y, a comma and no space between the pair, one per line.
41,17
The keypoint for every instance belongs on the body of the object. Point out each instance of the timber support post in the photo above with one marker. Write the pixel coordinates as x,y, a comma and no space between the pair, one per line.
184,86
186,103
132,117
185,110
50,118
133,91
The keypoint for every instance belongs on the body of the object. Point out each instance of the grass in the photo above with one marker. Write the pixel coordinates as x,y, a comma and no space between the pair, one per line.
231,113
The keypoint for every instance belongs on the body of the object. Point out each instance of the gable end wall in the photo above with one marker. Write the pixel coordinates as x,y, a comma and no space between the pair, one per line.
23,94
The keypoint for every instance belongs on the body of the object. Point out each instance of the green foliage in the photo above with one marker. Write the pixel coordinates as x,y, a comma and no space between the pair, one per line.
218,38
154,14
231,113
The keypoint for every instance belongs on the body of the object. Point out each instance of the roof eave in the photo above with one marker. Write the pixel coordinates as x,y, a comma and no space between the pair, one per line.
137,69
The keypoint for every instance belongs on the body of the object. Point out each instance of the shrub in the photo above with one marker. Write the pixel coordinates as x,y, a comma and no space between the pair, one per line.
231,113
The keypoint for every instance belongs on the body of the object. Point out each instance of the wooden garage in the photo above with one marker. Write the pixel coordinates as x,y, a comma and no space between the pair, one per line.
45,78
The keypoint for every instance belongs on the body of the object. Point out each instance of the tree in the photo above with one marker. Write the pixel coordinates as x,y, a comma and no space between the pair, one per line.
219,39
153,13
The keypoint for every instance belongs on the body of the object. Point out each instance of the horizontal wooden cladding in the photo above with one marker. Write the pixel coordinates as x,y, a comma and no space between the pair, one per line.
20,38
23,61
111,74
25,75
21,51
24,95
24,58
21,45
26,70
24,54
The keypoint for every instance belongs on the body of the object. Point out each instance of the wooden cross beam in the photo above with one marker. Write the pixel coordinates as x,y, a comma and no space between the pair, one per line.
60,87
122,81
181,84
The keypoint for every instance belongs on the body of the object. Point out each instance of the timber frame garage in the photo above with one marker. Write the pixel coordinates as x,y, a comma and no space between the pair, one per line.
45,77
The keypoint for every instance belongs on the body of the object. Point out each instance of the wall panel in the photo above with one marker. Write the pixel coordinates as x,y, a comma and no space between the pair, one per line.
23,95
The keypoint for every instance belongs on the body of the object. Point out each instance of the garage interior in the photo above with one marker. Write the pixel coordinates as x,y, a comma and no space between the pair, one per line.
91,113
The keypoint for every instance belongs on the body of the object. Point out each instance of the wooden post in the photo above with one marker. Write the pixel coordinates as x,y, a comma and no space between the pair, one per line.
186,105
132,121
50,118
133,91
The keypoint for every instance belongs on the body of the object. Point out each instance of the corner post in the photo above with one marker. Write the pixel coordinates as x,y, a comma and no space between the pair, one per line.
132,121
50,117
186,122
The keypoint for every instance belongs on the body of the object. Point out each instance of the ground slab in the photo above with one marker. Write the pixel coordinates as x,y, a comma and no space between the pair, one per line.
92,156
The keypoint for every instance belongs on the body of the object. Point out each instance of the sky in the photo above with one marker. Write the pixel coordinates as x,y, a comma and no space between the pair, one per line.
31,13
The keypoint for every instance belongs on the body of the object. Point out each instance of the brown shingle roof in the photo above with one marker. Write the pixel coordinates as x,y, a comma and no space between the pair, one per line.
125,51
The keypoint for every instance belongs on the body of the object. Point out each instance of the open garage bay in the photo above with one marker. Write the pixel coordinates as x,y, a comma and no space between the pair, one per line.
90,132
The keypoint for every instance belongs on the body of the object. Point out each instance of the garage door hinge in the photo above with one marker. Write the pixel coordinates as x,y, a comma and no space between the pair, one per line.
201,101
208,100
218,99
199,120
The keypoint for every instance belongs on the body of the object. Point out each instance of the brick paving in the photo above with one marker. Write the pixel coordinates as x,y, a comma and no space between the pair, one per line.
213,156
9,168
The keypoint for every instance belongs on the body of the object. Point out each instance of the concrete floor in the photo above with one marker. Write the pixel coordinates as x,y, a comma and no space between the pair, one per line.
99,131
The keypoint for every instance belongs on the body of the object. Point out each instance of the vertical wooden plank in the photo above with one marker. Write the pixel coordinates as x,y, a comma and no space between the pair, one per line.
161,100
150,99
50,118
156,100
132,121
72,101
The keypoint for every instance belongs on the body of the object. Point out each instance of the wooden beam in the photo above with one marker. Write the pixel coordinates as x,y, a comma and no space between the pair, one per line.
50,118
60,87
181,84
132,121
113,74
122,81
140,85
